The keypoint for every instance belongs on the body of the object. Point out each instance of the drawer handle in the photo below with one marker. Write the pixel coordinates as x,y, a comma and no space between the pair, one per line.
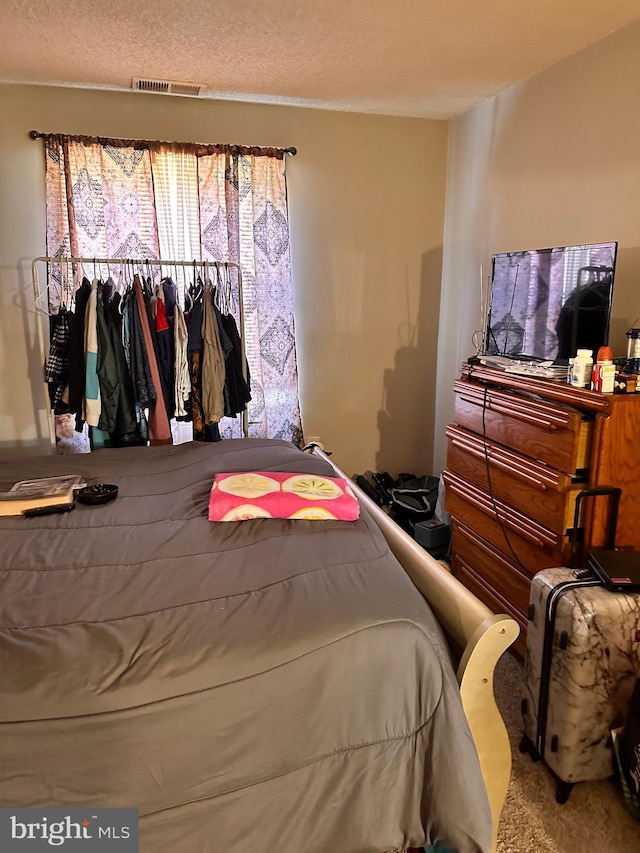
485,549
514,411
514,469
510,468
482,506
523,415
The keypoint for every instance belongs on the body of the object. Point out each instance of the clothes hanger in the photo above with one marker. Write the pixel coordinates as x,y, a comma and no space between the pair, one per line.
135,272
62,291
197,283
226,288
186,294
65,285
124,290
229,288
109,284
76,282
38,292
69,294
203,278
147,267
218,295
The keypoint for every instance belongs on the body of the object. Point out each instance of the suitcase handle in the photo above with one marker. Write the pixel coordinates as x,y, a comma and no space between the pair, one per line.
613,492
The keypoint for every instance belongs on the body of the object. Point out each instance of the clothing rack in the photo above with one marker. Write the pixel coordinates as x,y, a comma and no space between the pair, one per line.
143,265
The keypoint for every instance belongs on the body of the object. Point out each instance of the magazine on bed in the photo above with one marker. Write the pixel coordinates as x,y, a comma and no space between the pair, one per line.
46,491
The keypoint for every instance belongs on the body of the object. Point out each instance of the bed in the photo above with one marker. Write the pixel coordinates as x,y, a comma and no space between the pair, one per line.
266,685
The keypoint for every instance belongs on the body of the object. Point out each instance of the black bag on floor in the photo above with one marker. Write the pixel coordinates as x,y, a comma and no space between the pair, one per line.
415,499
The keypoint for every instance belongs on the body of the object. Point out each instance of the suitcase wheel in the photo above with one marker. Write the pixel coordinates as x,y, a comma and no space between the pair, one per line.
525,744
563,791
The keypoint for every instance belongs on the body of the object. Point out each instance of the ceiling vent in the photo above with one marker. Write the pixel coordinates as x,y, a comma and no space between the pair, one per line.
166,87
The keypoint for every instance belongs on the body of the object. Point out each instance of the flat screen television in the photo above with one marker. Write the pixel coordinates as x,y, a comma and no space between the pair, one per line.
544,304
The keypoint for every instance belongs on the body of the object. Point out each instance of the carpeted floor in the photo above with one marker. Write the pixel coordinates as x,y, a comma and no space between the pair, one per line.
594,819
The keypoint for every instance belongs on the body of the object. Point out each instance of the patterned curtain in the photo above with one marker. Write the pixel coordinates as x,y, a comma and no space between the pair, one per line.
243,214
122,199
100,201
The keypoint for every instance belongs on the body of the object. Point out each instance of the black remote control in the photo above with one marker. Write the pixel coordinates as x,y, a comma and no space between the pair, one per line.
47,510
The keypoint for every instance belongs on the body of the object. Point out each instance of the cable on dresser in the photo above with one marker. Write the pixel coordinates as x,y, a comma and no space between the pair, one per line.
480,343
490,485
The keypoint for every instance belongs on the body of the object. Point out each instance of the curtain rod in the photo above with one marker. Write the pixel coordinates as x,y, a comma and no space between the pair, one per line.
36,134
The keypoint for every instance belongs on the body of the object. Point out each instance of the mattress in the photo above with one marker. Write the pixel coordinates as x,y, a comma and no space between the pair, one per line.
263,685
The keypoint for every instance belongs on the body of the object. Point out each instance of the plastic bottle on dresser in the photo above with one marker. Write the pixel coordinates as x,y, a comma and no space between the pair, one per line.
570,370
603,373
581,370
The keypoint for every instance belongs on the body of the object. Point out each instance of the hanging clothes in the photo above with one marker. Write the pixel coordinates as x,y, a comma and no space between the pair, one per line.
213,372
226,346
164,337
120,357
182,380
195,347
128,323
169,295
238,393
159,427
76,374
91,405
57,367
127,430
145,393
106,368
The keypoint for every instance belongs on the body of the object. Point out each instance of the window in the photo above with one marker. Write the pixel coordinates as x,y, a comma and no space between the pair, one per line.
124,199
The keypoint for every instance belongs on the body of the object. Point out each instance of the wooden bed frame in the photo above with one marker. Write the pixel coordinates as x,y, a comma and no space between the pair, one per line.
477,638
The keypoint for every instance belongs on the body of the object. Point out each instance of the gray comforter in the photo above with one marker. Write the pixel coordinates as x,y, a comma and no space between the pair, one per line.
267,685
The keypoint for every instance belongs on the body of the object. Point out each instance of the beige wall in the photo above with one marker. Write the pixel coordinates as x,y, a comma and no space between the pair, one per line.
366,199
551,162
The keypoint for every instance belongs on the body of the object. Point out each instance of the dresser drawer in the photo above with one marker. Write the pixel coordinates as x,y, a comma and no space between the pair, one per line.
493,566
550,432
467,576
508,530
542,492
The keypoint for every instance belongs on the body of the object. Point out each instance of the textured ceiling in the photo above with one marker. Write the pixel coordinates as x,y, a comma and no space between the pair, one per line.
428,58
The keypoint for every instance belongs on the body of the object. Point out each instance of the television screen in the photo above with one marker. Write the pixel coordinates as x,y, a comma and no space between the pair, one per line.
544,304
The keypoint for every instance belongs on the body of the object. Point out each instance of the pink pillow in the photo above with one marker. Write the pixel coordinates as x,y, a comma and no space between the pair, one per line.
262,494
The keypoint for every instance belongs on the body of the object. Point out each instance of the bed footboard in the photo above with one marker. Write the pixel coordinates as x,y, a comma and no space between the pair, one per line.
477,638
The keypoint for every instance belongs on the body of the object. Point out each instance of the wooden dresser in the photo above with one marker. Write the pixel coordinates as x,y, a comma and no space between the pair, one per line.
519,452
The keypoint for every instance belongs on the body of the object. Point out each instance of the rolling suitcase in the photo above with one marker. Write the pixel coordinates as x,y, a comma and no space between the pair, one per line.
582,661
